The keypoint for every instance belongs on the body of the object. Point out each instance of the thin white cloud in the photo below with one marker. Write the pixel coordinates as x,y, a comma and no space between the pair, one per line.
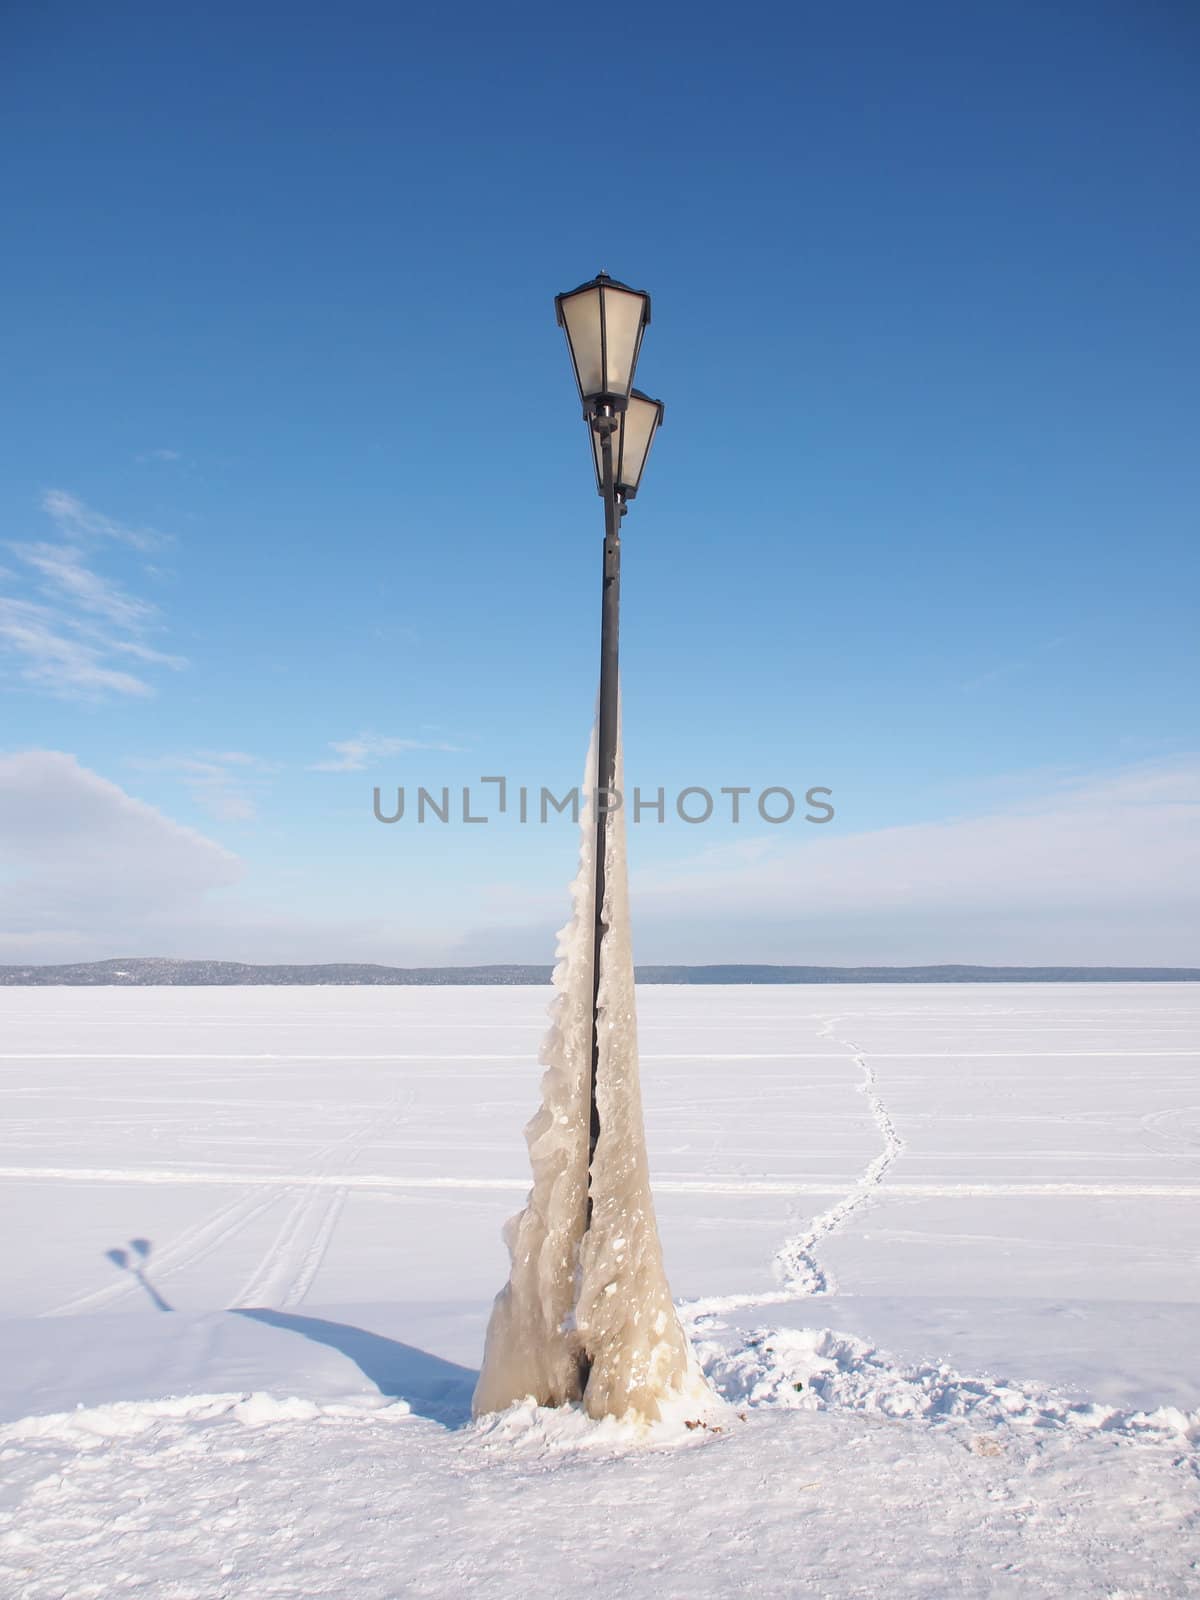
51,659
158,455
1009,669
143,652
228,784
1095,870
66,575
74,517
75,631
357,755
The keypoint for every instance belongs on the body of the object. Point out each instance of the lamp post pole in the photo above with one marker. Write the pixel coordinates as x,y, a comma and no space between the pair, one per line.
605,424
604,322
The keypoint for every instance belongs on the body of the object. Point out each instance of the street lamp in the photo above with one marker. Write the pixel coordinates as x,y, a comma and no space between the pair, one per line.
634,434
604,322
587,1313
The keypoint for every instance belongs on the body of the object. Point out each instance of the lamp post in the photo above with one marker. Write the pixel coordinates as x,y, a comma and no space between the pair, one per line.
604,322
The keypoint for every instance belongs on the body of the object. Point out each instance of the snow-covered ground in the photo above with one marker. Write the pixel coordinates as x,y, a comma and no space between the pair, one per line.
939,1248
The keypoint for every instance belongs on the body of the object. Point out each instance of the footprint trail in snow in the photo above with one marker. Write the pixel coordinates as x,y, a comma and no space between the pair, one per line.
797,1267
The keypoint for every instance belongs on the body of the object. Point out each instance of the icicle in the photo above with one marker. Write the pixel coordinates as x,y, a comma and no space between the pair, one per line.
602,1297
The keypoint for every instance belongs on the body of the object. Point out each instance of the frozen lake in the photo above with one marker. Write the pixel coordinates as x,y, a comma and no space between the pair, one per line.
324,1147
209,1193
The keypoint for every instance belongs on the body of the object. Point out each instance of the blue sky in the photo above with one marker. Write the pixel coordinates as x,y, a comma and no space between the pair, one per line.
291,461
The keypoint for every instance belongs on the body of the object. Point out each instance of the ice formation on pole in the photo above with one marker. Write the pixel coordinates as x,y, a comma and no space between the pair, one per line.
602,1295
531,1347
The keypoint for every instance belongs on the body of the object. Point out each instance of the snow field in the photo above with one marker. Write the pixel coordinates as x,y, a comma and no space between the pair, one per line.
962,1220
